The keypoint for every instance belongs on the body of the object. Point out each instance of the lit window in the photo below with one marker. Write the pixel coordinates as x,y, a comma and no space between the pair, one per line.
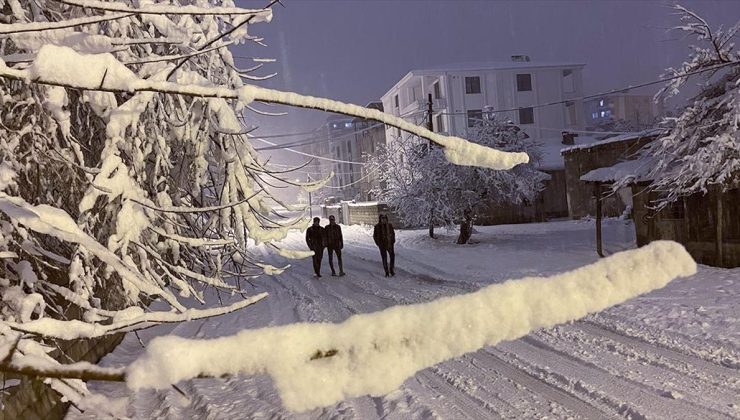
601,103
472,84
594,115
348,125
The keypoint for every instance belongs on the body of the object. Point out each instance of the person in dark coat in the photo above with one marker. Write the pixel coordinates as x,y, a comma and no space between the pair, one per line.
385,237
316,240
334,244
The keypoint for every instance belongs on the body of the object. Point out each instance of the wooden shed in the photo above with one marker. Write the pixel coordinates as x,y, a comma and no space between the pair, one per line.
707,225
584,158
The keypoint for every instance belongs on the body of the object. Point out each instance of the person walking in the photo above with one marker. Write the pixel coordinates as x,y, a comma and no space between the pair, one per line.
334,244
385,237
316,240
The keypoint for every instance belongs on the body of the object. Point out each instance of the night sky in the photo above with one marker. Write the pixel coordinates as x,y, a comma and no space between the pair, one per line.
355,50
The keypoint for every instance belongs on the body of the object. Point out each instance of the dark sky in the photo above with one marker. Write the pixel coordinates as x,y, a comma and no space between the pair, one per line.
355,50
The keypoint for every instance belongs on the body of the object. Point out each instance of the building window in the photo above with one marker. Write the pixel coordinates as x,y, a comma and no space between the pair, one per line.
524,82
570,114
395,101
437,91
526,115
475,116
594,115
601,102
472,84
440,124
568,82
348,125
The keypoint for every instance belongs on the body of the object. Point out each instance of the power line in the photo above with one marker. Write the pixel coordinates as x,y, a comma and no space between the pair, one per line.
307,154
339,187
317,140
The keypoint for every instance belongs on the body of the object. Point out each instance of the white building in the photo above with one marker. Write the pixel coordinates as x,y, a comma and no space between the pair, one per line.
462,91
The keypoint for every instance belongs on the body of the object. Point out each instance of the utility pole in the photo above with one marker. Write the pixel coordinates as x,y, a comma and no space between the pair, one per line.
430,124
430,127
310,203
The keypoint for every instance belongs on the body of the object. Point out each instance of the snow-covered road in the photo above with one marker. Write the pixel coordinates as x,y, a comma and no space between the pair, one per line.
673,353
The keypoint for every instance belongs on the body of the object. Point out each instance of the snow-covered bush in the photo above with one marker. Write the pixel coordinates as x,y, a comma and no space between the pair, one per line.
702,147
425,188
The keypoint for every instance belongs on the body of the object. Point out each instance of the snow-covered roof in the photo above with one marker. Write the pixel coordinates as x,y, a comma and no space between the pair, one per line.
494,65
615,139
478,66
552,159
637,169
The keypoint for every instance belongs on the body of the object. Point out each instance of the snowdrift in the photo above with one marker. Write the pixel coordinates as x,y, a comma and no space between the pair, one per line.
316,365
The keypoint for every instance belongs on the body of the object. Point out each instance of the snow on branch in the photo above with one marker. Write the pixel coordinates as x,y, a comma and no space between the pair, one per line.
55,222
265,15
17,28
79,370
316,365
62,66
135,319
700,150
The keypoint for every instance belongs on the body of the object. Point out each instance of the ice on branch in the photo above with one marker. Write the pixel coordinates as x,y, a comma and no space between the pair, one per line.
316,365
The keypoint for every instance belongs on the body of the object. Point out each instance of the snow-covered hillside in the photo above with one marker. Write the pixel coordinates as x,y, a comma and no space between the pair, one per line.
674,352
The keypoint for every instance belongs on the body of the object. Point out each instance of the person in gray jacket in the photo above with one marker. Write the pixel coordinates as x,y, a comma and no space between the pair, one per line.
385,237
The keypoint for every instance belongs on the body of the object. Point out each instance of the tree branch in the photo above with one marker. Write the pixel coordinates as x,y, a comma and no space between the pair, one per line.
161,9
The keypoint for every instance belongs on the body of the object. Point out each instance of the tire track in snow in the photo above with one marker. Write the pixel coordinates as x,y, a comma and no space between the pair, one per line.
624,395
656,373
670,354
468,405
536,385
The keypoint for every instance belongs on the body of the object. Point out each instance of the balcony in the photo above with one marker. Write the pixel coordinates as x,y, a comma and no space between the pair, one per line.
438,104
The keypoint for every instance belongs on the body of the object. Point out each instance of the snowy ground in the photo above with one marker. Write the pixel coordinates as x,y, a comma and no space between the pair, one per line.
673,353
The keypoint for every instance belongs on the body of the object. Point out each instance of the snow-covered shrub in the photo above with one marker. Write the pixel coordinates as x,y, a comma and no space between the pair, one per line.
426,188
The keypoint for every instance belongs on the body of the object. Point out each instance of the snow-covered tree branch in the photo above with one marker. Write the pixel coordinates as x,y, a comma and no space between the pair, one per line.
701,149
126,169
421,184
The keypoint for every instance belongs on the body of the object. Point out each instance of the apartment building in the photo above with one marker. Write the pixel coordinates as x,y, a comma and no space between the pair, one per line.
461,93
638,111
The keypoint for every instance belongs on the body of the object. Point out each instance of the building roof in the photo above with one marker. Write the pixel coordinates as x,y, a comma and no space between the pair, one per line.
552,159
653,132
478,66
637,169
493,65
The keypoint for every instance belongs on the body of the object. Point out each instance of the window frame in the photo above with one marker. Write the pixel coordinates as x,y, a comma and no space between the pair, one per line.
469,87
475,116
520,82
528,110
